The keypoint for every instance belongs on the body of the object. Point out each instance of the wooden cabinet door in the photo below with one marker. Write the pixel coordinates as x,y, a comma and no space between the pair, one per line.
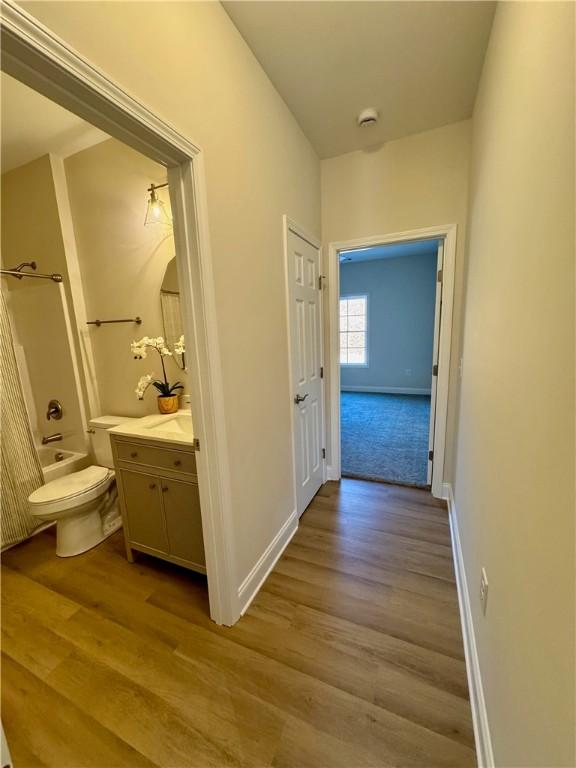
183,520
143,507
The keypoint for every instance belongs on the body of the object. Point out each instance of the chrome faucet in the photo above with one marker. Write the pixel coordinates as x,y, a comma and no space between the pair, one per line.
52,438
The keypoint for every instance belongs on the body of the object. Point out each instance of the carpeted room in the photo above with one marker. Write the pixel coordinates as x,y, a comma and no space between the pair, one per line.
387,305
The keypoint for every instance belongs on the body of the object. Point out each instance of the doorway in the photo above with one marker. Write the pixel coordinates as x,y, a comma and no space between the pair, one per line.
389,326
388,296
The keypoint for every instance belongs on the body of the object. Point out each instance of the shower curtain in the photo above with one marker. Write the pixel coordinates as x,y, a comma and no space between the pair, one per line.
21,471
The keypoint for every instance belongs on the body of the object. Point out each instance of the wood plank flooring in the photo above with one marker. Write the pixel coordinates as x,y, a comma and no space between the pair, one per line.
350,656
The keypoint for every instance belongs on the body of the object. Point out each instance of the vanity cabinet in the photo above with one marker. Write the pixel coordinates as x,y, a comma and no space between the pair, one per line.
159,500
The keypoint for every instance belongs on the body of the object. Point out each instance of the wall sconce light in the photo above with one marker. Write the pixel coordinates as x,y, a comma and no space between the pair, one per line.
156,212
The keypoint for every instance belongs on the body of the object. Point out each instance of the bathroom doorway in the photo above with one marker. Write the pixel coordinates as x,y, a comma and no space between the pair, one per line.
36,58
92,314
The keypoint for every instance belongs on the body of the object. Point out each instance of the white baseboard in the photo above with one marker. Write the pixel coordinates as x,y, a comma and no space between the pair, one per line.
484,751
258,575
330,473
386,390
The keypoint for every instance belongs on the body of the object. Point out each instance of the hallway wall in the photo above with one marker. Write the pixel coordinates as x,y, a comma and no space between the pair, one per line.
415,182
514,489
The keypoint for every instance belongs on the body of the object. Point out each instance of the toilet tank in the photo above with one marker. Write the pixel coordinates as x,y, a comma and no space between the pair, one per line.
100,438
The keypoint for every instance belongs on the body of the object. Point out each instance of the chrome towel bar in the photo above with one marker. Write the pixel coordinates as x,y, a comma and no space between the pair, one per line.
98,323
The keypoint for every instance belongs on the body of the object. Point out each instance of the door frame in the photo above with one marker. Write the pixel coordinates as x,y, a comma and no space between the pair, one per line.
447,232
289,225
37,57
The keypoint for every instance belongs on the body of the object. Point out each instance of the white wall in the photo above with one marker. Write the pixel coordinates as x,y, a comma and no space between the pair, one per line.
122,267
401,297
31,232
415,182
514,486
189,64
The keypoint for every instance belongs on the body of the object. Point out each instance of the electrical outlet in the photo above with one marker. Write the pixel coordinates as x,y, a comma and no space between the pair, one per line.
407,371
483,590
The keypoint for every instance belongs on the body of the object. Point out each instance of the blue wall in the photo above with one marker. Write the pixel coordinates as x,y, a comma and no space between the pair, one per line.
401,296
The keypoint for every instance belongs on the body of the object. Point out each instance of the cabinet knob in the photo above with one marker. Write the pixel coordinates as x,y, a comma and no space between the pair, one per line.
177,463
133,454
152,486
164,488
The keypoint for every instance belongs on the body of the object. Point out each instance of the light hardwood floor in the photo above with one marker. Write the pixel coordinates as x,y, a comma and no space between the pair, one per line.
350,656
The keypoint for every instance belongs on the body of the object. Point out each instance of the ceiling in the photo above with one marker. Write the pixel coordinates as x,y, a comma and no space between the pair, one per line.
392,251
417,63
32,126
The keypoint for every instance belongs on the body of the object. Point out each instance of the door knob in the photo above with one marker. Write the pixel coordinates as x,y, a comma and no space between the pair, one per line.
300,399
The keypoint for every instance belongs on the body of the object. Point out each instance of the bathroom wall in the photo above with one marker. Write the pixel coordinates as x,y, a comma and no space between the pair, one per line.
31,232
122,265
401,299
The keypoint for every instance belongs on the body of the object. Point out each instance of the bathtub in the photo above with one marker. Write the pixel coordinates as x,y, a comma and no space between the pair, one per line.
56,462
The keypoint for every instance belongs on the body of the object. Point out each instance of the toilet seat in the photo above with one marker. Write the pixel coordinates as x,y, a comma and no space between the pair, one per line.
71,491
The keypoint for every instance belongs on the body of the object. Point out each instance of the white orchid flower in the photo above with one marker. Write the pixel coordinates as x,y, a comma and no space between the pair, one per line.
138,350
179,347
143,385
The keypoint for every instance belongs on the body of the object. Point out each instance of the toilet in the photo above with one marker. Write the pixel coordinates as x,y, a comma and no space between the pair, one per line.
83,504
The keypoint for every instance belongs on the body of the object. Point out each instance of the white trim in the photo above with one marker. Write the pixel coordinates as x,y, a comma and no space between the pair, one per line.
386,390
448,233
484,751
37,57
366,363
331,474
258,575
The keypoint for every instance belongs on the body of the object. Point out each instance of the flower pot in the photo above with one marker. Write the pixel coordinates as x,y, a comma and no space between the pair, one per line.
168,404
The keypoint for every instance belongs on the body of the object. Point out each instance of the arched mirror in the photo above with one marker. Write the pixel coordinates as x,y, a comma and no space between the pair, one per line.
171,314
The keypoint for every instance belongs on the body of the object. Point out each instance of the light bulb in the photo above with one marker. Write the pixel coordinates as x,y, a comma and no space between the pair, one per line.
156,210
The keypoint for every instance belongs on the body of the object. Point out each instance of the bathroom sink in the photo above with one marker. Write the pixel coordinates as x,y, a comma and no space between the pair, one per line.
177,424
176,428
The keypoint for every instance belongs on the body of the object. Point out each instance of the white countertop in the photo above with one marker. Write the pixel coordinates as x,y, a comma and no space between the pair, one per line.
176,428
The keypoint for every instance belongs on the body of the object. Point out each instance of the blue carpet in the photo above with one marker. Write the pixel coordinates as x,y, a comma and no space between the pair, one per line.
385,437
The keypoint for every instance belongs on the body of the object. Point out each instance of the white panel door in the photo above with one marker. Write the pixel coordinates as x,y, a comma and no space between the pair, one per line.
435,356
303,271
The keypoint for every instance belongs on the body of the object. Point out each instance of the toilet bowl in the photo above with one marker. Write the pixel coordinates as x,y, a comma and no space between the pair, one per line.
78,504
82,504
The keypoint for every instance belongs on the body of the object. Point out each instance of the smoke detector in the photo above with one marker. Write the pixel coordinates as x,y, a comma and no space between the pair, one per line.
367,117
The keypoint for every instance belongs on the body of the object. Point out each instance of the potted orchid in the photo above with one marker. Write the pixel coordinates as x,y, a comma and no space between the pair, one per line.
168,397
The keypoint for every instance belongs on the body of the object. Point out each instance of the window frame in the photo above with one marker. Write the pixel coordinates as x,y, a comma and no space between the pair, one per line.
365,296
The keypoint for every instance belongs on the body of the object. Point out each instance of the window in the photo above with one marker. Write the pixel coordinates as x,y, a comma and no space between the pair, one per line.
353,327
